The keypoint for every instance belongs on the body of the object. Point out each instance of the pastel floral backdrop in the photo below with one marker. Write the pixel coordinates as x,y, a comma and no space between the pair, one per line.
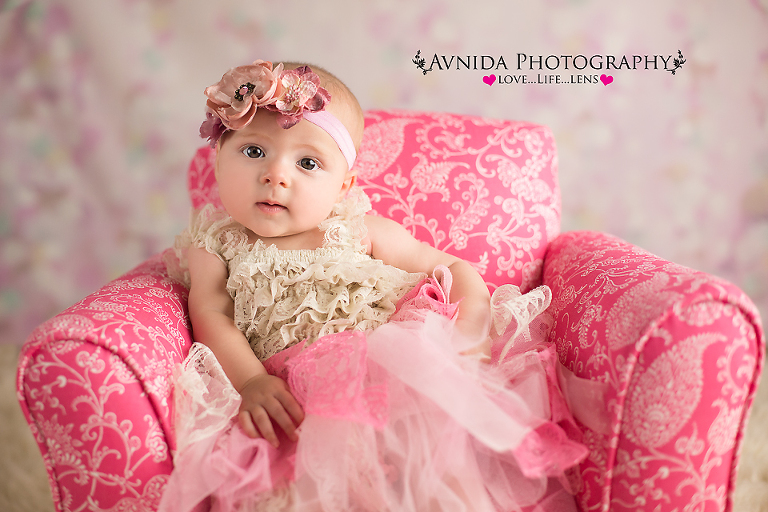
101,102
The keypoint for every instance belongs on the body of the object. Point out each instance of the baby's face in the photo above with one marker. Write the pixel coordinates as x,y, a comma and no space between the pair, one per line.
280,184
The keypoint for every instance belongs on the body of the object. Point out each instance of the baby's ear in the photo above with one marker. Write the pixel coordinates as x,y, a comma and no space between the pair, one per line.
349,182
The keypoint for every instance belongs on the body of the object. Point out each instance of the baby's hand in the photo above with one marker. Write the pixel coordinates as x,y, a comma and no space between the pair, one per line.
266,398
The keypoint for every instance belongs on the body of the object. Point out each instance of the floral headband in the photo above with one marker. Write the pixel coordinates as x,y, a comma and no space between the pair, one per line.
295,94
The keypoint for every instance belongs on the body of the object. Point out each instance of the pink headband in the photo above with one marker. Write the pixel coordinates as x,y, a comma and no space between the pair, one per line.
335,129
294,94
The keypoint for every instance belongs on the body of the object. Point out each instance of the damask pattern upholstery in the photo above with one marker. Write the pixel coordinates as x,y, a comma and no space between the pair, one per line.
679,354
670,356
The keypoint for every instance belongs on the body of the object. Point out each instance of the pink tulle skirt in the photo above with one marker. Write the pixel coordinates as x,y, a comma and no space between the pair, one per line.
396,419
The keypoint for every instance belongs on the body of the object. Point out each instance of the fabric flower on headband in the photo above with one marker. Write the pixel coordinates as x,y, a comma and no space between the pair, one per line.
300,91
233,101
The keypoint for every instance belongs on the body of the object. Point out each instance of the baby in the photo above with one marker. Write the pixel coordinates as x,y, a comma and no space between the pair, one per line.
280,180
317,345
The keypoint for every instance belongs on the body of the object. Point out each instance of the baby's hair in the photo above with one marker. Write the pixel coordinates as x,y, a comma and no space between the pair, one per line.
343,104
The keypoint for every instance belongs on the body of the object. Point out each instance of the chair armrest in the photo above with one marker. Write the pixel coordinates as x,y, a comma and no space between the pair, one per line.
678,354
94,383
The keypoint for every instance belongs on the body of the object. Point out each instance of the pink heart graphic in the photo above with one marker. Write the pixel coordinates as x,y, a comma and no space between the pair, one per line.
606,79
489,79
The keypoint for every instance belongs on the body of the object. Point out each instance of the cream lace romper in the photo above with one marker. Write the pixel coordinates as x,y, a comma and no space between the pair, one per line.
283,297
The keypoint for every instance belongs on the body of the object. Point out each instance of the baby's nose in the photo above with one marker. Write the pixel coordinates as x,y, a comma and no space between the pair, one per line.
276,175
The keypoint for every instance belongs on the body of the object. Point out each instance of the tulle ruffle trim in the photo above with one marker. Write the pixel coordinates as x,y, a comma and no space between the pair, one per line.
396,420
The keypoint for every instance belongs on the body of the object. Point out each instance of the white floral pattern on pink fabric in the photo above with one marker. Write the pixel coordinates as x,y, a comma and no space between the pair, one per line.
94,382
679,353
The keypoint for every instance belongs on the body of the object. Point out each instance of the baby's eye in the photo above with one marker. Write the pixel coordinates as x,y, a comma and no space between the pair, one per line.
253,152
309,164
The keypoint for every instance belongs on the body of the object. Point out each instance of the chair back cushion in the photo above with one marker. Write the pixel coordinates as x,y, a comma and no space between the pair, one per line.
482,189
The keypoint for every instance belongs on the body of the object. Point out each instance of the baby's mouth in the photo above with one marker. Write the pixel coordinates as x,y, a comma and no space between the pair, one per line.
270,207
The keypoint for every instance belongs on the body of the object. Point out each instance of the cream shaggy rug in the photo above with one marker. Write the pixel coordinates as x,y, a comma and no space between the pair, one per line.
24,484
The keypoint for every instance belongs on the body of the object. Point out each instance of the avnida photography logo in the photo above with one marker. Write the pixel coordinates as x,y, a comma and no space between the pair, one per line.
550,69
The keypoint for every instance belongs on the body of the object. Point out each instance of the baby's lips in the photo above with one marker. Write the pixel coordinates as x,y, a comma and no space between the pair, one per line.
270,207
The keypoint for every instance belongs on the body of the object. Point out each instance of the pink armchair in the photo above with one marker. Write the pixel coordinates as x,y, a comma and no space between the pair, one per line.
668,357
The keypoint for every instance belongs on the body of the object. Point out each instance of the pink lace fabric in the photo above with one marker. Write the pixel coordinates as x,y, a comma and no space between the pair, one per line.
396,420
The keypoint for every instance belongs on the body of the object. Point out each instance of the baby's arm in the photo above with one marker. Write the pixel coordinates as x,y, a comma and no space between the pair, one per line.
394,245
211,311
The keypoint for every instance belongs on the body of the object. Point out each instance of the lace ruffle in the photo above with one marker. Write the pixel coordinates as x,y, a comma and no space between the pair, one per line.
205,400
213,229
281,300
283,297
210,228
519,318
345,227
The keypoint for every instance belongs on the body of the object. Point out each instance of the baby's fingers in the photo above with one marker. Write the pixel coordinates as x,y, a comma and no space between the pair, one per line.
292,407
244,418
256,423
284,416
